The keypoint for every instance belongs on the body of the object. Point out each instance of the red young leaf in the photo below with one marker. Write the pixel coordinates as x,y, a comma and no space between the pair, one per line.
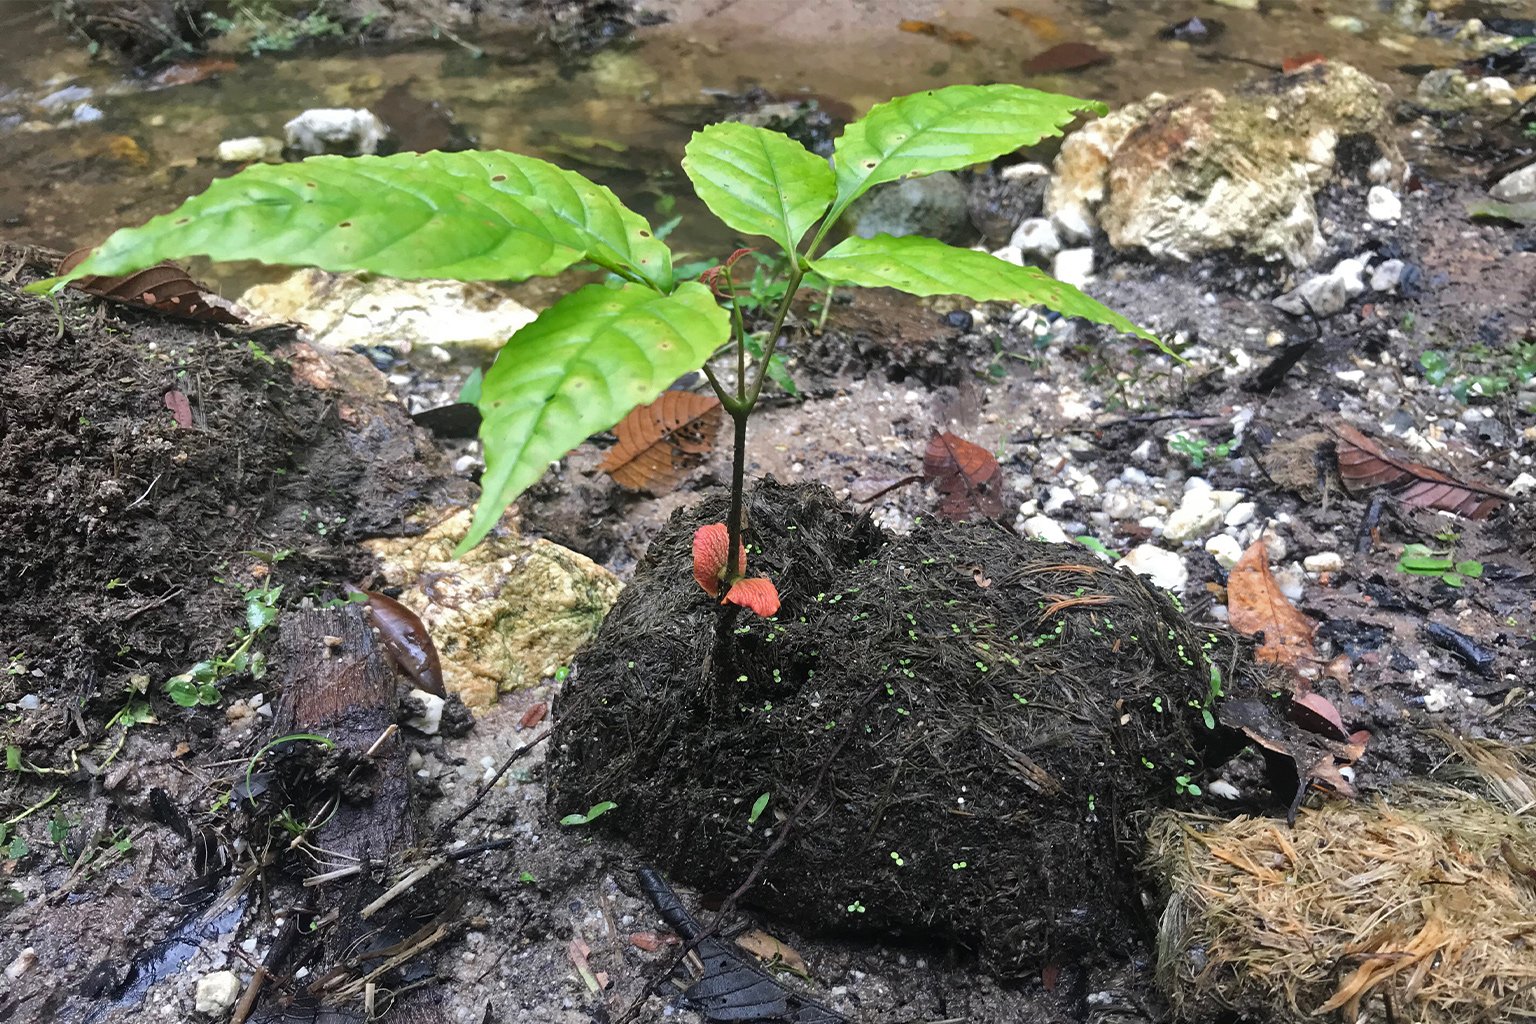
711,557
661,441
1364,463
164,287
180,407
757,594
967,476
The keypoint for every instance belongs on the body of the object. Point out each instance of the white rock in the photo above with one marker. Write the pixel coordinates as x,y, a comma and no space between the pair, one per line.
1385,278
1024,172
1073,266
1045,528
1241,514
1201,511
1274,544
1493,89
1009,254
332,130
1523,484
1328,293
1224,789
1163,568
1036,237
1073,224
1382,204
1515,187
1323,561
22,964
217,992
1224,549
1120,505
1291,582
250,149
431,717
1059,497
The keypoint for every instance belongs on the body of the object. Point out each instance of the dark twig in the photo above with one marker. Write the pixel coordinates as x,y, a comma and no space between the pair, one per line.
505,765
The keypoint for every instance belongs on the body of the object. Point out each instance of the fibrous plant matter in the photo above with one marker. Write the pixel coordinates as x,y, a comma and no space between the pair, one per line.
601,350
994,749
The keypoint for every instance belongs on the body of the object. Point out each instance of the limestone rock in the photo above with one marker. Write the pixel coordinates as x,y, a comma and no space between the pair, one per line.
341,131
1327,294
217,992
936,205
1516,187
1166,569
250,149
1208,172
504,616
343,310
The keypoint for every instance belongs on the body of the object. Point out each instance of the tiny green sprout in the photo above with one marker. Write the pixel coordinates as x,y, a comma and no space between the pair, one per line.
562,673
1146,763
758,807
855,907
526,877
1183,784
1021,698
831,724
1092,802
958,865
900,862
596,811
741,678
1157,704
767,705
903,712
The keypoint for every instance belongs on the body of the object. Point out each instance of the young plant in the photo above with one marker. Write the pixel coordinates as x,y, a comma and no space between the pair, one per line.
602,349
1422,560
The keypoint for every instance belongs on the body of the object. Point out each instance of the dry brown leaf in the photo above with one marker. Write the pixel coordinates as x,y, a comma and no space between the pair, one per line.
165,288
1043,27
967,476
1363,463
1066,57
771,951
1255,605
661,441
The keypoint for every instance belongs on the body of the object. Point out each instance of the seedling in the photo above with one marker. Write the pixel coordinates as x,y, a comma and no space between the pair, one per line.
593,813
200,683
1197,449
758,807
601,350
1421,560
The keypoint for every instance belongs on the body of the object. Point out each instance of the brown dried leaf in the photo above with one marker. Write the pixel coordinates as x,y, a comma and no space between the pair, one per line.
165,288
1364,463
661,441
771,951
1066,57
181,408
1042,26
967,476
1255,605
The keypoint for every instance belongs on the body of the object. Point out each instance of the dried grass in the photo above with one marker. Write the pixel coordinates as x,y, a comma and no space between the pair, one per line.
1417,906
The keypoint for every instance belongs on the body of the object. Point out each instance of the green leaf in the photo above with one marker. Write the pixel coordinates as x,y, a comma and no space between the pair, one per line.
1471,569
461,216
758,807
470,392
585,362
1423,565
596,811
758,181
926,266
944,130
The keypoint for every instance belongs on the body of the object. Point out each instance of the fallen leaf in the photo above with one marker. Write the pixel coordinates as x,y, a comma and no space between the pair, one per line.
1316,713
1301,60
758,595
1066,57
181,408
661,441
651,941
165,288
771,951
947,35
711,557
190,72
1363,463
1043,27
534,715
1255,605
967,476
979,575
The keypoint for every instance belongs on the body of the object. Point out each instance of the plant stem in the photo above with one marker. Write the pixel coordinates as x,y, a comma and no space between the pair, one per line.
733,527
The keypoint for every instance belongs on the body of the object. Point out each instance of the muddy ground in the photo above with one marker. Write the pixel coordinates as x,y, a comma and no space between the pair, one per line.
131,541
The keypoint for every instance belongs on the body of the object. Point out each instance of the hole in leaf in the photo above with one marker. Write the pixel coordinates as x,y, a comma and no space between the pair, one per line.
345,224
645,234
184,220
498,177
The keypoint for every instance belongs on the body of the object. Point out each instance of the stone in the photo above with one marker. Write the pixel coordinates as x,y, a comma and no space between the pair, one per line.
998,203
504,615
1200,512
936,205
1323,561
1386,277
1208,172
1073,266
1326,294
1045,528
342,131
250,149
1241,514
217,992
1036,237
24,962
1382,204
1162,567
1516,186
347,310
1224,549
431,718
1522,485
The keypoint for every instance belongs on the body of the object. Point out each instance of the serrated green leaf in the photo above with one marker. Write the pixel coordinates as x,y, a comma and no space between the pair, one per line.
758,181
926,266
458,216
578,369
944,130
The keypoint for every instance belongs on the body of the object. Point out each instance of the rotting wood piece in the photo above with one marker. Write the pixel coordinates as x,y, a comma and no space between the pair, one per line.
347,692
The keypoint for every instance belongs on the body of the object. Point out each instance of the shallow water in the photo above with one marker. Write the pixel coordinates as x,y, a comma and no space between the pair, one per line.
90,147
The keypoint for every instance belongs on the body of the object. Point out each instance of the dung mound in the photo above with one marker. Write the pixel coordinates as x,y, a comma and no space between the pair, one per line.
997,718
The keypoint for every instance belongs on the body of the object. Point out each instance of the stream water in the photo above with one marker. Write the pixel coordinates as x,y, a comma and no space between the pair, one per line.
90,147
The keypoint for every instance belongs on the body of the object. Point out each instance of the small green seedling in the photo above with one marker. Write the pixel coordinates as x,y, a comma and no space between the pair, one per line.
1197,449
603,349
1421,560
200,683
1185,787
593,813
758,807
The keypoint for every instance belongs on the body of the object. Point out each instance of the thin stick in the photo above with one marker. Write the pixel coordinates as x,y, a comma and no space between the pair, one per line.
512,757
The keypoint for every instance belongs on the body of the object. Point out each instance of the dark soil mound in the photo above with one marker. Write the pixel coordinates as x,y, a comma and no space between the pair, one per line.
1009,714
126,534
